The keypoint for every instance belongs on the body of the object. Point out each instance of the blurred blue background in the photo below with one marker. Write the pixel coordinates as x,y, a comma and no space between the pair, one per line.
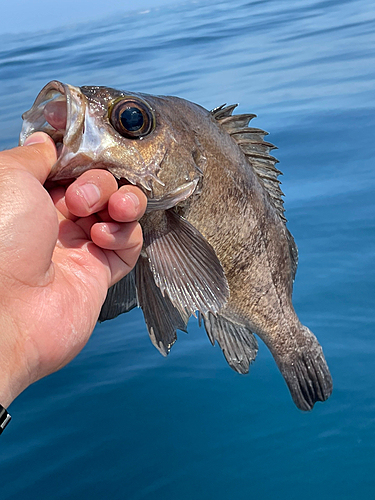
120,421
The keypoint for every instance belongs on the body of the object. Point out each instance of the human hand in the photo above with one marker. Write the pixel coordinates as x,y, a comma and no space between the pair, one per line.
59,254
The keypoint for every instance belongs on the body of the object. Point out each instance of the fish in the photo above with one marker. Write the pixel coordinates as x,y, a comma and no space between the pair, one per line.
216,244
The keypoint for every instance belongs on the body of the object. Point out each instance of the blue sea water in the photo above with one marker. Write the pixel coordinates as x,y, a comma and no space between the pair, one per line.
121,422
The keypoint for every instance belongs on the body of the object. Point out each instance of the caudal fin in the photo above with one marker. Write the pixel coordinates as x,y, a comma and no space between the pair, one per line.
306,372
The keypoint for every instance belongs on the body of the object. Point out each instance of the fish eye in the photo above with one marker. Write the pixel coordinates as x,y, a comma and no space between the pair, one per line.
131,118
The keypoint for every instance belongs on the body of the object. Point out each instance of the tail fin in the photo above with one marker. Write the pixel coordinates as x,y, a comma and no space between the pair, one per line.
306,372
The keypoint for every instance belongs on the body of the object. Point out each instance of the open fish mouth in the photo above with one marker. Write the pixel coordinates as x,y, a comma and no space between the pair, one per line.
60,111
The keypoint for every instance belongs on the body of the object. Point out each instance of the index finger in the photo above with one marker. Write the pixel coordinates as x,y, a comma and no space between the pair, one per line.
36,156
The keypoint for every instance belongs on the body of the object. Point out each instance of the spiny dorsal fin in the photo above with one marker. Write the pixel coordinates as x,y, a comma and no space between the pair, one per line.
251,141
223,111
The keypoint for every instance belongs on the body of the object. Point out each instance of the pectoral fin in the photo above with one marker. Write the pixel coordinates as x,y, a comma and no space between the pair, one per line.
185,266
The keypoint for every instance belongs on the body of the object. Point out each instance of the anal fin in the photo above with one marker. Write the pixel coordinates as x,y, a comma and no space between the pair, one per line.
237,342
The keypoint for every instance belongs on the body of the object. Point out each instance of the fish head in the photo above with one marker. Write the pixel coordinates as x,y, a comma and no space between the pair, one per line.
149,141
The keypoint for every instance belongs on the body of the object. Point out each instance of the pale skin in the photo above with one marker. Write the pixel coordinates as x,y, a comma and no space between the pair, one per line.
60,251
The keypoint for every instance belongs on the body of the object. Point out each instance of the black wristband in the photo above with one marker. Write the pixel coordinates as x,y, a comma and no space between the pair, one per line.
4,418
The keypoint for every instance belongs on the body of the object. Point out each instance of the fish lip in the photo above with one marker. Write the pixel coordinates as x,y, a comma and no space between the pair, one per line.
34,121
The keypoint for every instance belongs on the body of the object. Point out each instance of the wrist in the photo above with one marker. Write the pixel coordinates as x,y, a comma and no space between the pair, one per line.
14,378
6,394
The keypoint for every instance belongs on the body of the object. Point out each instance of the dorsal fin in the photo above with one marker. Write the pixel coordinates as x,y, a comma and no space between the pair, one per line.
223,111
252,143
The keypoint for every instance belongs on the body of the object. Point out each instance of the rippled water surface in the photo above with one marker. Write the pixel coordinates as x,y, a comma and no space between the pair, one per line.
121,422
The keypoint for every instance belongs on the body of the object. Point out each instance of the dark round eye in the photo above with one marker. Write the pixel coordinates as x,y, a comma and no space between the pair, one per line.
131,118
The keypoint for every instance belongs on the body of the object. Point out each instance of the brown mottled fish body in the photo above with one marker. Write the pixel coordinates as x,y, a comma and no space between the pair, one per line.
215,236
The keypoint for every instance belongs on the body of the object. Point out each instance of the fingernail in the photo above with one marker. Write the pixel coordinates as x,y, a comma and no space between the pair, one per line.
111,227
133,198
36,138
91,194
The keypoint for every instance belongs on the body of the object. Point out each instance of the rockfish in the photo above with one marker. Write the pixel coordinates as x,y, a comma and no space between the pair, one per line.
215,235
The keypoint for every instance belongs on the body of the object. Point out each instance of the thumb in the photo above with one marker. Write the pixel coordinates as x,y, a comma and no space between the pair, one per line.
36,156
28,219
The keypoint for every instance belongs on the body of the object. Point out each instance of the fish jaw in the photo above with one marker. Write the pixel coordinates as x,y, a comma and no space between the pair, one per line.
67,139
